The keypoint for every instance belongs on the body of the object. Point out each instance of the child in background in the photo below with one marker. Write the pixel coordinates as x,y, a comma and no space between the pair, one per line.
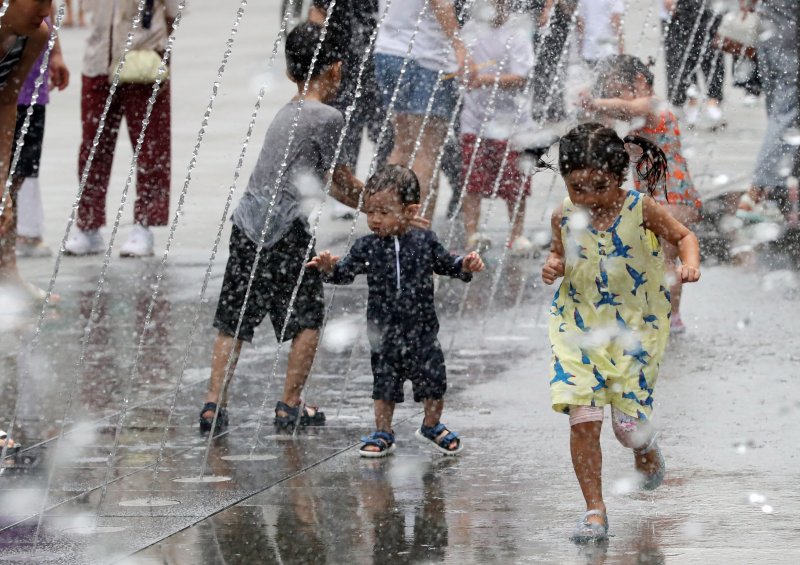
272,201
30,215
626,93
402,326
609,318
600,30
499,43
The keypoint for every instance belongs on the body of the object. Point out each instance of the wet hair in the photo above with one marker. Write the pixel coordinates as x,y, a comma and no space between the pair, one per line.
595,146
301,43
621,69
398,179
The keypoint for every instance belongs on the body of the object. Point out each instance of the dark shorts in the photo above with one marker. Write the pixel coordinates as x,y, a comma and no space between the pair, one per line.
273,284
423,366
31,153
486,169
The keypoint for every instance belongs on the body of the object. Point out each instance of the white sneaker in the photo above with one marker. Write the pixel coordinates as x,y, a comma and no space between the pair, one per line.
88,242
714,117
692,116
521,247
139,243
341,212
479,242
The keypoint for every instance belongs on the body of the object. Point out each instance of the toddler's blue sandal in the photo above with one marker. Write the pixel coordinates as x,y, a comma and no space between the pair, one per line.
440,438
587,532
384,441
653,480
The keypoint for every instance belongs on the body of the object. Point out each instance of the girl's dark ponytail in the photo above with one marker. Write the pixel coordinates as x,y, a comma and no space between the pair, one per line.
652,166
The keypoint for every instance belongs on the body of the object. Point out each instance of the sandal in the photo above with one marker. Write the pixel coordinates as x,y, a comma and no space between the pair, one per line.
588,532
206,424
651,481
440,438
384,441
310,416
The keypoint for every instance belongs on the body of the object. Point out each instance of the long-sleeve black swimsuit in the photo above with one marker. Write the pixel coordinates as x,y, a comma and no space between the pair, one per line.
400,307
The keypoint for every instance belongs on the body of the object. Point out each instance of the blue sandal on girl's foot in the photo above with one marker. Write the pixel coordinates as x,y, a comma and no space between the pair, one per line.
384,441
440,438
310,416
651,481
589,532
206,423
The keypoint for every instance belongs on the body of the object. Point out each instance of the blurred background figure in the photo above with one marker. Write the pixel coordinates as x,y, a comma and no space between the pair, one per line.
30,212
427,78
556,21
350,26
690,47
111,23
778,70
69,18
599,29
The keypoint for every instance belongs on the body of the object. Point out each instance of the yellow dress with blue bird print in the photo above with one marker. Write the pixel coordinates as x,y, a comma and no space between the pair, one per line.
609,321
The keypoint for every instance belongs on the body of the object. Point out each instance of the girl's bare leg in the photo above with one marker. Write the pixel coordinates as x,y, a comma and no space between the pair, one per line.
587,460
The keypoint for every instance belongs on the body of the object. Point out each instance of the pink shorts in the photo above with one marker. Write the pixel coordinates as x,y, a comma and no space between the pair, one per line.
486,169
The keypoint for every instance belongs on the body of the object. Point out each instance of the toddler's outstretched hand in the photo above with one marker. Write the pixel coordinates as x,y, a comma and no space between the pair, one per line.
324,262
472,263
689,274
553,268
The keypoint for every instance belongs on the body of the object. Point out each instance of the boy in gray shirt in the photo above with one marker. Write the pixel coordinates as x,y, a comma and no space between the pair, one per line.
269,214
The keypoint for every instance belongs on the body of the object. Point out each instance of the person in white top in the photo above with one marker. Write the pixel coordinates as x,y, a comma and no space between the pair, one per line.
502,52
600,30
419,54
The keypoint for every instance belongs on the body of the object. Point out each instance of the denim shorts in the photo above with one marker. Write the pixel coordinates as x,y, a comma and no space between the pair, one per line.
417,86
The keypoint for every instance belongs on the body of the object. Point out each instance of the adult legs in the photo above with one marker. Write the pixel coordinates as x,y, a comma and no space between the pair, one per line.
548,86
683,45
153,167
92,206
472,213
8,235
407,129
517,220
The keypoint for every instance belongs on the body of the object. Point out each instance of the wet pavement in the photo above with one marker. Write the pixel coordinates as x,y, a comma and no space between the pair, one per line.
110,419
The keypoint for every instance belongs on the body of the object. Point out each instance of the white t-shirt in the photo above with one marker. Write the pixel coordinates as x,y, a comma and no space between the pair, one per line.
599,37
432,48
510,45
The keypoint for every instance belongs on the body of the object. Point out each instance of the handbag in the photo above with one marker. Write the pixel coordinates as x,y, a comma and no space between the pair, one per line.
738,33
141,66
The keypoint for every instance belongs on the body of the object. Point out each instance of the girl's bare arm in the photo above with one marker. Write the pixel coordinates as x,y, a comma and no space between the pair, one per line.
623,109
659,221
554,265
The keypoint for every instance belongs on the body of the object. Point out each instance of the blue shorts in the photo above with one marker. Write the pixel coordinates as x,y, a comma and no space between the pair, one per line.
416,87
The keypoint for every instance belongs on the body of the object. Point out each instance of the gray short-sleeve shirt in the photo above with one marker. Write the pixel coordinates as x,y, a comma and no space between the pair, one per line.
310,156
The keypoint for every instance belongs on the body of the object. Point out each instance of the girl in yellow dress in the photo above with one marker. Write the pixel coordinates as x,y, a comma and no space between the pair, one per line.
609,322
